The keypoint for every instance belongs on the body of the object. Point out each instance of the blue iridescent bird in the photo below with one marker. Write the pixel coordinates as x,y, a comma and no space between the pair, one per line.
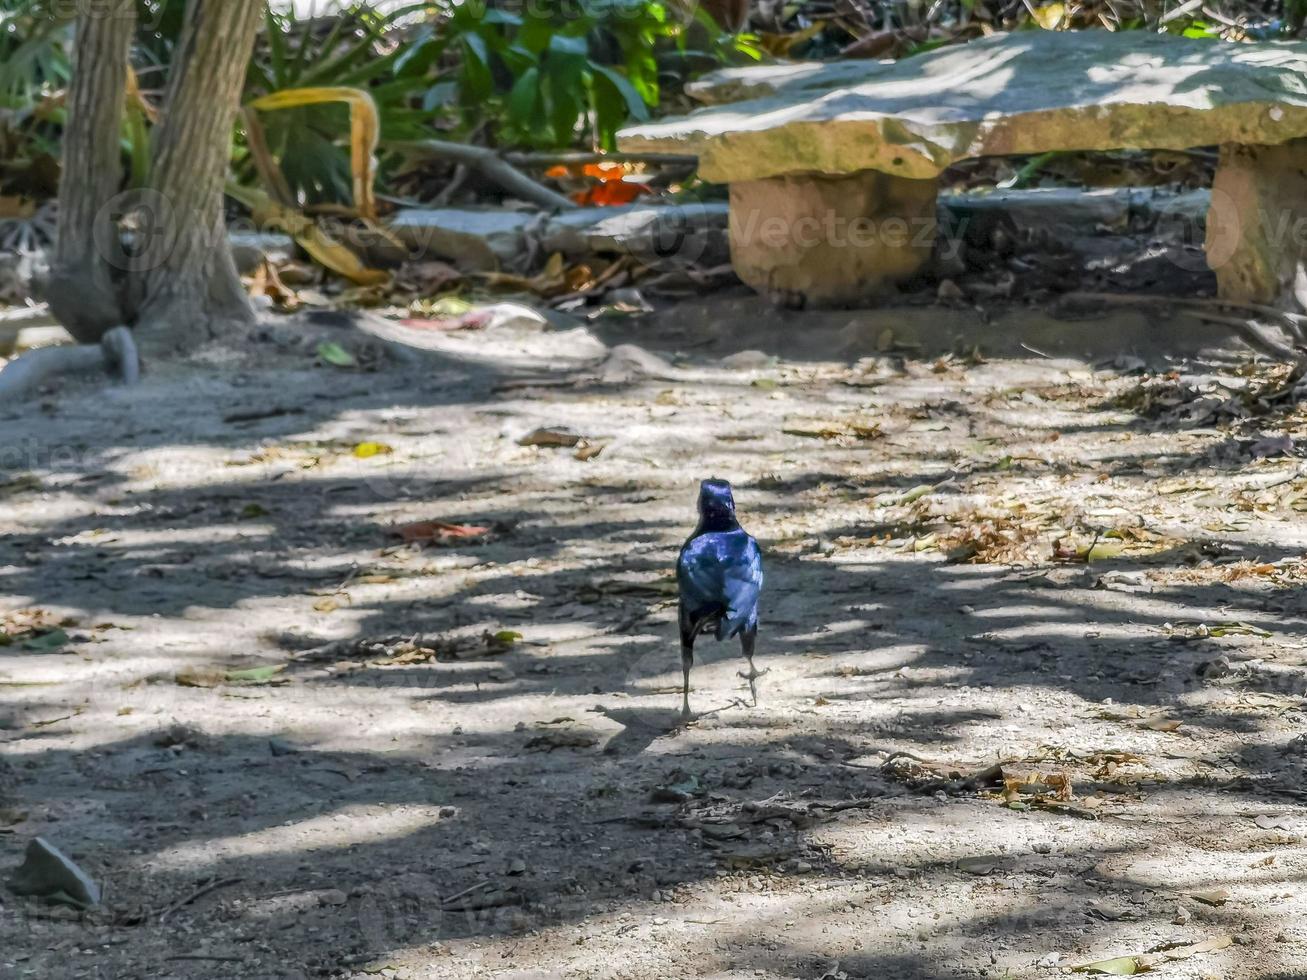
719,577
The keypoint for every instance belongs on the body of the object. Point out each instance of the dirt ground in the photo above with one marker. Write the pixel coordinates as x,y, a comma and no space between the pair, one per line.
1033,629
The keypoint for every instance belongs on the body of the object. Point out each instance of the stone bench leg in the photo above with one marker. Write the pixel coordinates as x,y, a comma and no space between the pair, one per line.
816,240
1257,224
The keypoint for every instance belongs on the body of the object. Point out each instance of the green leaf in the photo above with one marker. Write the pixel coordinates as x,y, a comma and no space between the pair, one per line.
255,675
478,83
524,100
1237,629
562,44
1122,966
563,91
440,94
1103,549
507,637
420,53
497,16
518,59
332,353
634,104
276,48
52,640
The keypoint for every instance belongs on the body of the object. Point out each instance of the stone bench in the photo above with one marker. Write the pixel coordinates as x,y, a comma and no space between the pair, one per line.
833,168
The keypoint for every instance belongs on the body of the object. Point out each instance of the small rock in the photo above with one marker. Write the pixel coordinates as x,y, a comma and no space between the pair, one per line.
1129,364
517,867
332,896
1268,821
47,872
280,747
748,360
1215,897
1211,669
551,437
949,292
448,811
176,735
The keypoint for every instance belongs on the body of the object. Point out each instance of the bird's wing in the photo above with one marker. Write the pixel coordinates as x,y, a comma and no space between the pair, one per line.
742,585
700,573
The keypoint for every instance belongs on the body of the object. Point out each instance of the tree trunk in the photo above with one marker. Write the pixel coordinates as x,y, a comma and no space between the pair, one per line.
81,288
194,291
154,258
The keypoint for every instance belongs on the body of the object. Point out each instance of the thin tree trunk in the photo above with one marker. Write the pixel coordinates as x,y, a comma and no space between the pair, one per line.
81,288
193,291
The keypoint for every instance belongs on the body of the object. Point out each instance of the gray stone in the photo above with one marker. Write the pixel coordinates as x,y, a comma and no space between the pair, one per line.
1006,94
251,249
48,873
693,232
473,239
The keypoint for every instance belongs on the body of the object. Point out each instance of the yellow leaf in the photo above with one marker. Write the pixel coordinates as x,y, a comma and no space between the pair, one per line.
1122,966
779,45
322,247
366,450
1049,16
365,131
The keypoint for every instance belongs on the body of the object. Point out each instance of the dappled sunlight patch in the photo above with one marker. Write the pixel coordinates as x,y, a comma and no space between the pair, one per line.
340,829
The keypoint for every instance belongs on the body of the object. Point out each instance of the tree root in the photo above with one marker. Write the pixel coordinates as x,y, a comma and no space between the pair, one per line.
116,354
1246,329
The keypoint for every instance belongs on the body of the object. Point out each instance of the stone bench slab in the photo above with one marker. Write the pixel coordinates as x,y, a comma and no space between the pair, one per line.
833,167
1024,93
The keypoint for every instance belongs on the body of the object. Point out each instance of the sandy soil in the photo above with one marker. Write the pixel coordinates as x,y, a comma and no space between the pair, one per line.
469,766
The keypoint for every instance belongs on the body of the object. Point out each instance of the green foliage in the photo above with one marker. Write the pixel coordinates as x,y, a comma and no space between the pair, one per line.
33,59
310,142
34,67
546,75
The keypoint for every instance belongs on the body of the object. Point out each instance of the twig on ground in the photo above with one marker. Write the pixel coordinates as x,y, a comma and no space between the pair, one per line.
581,157
492,166
199,893
465,892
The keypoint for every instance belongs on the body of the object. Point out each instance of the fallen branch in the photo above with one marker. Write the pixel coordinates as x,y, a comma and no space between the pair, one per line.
581,157
199,893
116,353
492,166
1250,334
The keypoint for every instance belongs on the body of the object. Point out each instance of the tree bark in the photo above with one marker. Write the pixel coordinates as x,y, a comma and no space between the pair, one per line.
192,292
81,288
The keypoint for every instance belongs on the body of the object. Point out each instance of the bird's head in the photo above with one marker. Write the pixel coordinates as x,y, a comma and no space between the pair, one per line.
716,506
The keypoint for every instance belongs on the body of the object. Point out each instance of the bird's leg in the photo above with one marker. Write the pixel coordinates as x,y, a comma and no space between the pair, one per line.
747,639
687,661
